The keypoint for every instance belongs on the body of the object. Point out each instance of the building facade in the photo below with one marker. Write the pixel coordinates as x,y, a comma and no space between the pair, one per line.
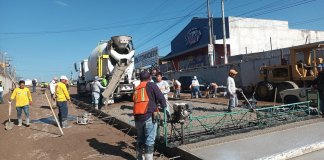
189,49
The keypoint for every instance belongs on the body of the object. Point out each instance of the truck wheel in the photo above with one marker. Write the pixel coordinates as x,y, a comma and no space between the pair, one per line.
283,86
264,91
290,99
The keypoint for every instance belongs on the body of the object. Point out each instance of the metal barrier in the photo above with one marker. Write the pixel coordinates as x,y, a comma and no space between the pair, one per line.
200,128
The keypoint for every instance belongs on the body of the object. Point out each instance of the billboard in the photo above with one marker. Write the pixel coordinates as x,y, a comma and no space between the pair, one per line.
150,57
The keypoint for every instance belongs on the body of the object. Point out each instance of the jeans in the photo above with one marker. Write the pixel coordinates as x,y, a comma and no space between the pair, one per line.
34,88
19,111
1,97
146,133
63,110
176,93
95,98
194,90
233,101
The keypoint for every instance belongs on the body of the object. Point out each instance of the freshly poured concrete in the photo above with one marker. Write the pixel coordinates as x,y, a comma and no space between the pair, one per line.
264,145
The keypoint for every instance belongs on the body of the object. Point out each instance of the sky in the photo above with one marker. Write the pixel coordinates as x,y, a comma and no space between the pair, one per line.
44,38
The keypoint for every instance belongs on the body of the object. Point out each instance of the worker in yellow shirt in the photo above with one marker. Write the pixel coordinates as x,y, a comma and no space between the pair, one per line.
62,96
23,100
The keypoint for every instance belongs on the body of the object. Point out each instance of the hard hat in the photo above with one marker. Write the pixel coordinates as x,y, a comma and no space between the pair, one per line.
96,78
320,66
195,77
232,71
64,77
55,78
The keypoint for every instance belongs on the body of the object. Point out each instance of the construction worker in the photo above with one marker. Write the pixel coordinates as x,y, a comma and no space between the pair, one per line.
23,100
231,90
164,88
1,92
104,81
177,88
52,86
146,98
195,88
319,85
96,91
62,97
34,83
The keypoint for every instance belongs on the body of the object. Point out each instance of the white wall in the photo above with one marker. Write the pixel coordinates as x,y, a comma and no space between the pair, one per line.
254,34
7,83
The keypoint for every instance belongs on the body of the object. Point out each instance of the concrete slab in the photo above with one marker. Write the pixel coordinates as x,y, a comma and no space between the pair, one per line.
313,155
263,145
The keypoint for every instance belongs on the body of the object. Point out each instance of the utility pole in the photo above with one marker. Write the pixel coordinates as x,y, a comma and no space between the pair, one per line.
224,34
211,44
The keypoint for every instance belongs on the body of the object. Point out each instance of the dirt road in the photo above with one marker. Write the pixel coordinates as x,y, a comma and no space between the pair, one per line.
42,139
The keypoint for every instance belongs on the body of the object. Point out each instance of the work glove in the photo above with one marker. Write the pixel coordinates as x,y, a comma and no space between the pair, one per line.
239,89
9,101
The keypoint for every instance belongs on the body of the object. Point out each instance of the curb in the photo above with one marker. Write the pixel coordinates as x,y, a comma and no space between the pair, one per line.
295,152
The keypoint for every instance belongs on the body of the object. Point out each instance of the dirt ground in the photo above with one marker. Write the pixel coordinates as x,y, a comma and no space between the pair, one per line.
42,139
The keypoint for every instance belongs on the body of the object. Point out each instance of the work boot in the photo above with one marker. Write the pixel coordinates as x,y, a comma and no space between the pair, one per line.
65,124
149,152
19,122
27,122
140,152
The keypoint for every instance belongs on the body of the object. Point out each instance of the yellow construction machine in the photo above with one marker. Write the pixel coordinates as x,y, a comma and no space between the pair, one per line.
299,71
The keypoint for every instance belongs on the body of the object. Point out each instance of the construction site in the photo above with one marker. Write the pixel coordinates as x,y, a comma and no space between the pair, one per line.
229,88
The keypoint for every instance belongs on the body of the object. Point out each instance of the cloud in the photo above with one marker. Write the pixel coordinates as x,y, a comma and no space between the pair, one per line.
61,3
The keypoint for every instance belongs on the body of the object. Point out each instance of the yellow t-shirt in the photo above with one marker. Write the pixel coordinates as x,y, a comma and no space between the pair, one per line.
23,97
61,92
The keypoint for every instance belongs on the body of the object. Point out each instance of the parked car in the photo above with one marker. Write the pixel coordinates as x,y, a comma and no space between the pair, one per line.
299,95
186,82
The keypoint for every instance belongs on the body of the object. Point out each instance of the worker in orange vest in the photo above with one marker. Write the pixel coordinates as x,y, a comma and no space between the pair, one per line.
146,98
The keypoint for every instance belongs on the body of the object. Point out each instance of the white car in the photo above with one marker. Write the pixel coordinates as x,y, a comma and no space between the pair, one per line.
298,95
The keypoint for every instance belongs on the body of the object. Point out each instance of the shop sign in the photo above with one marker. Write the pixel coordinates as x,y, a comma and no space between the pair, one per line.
193,36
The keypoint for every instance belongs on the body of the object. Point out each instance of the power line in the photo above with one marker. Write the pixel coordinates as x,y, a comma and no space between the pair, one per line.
152,31
277,9
171,26
90,28
306,21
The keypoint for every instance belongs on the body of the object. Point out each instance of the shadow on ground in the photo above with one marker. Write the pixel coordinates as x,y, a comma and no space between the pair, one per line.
104,148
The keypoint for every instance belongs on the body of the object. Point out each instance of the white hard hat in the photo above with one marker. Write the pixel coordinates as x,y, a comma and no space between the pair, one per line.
64,77
195,77
55,78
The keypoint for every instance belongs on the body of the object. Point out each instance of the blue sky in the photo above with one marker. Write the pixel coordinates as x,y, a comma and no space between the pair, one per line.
45,37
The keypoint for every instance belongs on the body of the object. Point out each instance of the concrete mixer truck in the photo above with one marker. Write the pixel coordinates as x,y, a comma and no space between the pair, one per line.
113,57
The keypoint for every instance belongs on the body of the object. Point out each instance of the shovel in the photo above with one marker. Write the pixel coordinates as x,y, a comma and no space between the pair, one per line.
9,124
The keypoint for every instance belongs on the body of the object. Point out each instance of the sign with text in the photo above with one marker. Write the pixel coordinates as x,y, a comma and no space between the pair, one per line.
150,57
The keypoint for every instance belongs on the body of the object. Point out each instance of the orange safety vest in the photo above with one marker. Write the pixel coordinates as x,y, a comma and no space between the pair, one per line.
140,99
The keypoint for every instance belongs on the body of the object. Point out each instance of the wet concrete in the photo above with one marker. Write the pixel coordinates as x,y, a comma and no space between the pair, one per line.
262,145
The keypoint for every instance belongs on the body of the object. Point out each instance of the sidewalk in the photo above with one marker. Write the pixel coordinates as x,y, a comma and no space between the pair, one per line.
267,146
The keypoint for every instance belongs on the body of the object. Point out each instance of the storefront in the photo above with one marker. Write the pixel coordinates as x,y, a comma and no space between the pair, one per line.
189,49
